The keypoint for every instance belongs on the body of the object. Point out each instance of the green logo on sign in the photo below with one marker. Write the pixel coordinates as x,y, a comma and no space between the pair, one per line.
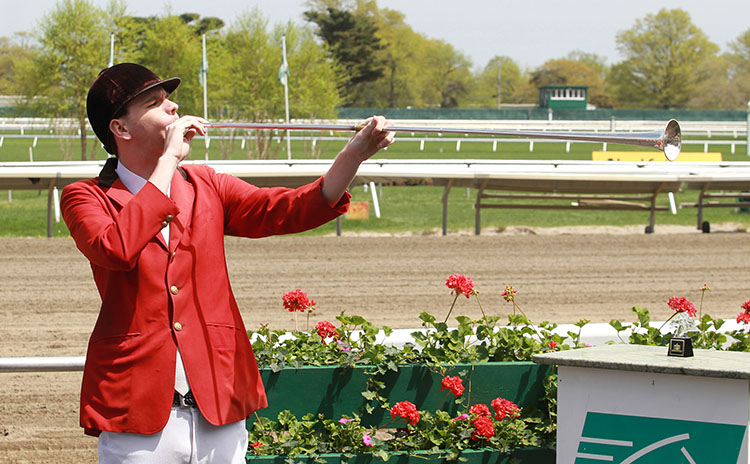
641,440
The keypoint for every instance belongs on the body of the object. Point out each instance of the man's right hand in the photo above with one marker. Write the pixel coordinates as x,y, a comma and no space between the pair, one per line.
180,133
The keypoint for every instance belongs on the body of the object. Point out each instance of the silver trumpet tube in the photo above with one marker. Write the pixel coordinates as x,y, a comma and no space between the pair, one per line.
668,140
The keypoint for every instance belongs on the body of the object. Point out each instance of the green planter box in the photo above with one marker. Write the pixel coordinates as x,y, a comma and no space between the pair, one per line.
334,391
521,456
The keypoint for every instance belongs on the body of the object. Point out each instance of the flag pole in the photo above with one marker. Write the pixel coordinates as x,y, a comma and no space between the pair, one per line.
204,79
111,51
285,81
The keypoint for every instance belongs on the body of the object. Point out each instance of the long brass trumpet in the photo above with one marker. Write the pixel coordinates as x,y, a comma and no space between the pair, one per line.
668,140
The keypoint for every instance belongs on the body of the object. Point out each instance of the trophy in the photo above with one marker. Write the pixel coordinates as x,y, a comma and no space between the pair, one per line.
681,345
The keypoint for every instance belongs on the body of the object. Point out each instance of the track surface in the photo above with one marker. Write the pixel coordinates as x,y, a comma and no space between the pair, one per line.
48,301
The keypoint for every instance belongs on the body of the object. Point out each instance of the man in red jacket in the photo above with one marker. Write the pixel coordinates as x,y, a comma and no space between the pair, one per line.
170,375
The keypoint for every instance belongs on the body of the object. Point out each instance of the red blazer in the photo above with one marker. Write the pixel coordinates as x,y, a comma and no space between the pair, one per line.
155,299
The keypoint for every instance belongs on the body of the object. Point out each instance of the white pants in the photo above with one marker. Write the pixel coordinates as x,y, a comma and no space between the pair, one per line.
187,438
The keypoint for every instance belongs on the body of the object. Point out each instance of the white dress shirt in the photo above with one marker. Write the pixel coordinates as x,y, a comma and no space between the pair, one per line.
135,183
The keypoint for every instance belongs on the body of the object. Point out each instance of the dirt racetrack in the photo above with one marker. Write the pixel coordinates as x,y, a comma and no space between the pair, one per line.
48,303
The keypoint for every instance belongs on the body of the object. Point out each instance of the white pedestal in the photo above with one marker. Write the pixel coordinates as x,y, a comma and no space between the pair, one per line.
634,404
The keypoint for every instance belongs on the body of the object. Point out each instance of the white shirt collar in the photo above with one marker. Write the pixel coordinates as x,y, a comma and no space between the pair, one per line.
131,180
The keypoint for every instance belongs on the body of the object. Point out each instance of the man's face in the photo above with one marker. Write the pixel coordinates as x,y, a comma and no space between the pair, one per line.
147,117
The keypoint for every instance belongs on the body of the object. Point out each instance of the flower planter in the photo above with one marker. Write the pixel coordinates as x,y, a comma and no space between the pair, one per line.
520,456
334,391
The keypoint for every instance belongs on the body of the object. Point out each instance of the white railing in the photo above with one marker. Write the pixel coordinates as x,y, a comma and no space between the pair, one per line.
422,140
592,334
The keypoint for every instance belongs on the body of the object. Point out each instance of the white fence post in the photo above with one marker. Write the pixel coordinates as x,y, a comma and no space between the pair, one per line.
375,203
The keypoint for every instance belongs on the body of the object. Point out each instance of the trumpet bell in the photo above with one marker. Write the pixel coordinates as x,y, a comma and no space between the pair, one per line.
671,141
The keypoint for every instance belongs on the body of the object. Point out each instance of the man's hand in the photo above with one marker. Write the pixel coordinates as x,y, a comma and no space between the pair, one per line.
365,143
370,139
178,136
180,133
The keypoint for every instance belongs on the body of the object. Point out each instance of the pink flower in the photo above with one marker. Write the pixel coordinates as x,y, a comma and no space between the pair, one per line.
344,420
343,346
454,384
509,294
681,304
480,410
460,284
367,440
297,300
325,330
505,408
483,428
407,411
461,417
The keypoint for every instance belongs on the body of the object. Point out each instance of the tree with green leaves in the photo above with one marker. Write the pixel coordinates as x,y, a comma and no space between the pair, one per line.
244,81
353,42
14,54
448,75
666,57
73,48
396,87
204,25
171,48
739,69
573,72
497,83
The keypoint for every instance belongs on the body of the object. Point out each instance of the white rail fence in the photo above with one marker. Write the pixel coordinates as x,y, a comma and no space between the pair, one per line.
592,334
494,143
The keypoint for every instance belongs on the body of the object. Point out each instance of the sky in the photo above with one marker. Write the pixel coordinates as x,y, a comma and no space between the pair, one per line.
529,31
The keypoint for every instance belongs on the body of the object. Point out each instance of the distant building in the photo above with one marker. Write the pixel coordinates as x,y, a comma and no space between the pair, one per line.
564,96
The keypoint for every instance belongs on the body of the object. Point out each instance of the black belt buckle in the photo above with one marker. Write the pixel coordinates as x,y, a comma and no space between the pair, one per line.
186,401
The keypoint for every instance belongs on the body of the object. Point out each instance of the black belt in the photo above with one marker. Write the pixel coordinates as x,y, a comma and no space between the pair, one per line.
185,401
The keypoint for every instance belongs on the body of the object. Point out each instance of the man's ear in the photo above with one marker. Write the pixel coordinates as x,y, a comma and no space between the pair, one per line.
119,129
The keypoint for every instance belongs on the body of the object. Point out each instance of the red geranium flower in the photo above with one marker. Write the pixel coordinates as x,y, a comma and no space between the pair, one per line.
552,345
460,284
681,305
454,384
480,410
509,293
483,428
325,330
297,300
407,411
744,316
505,408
